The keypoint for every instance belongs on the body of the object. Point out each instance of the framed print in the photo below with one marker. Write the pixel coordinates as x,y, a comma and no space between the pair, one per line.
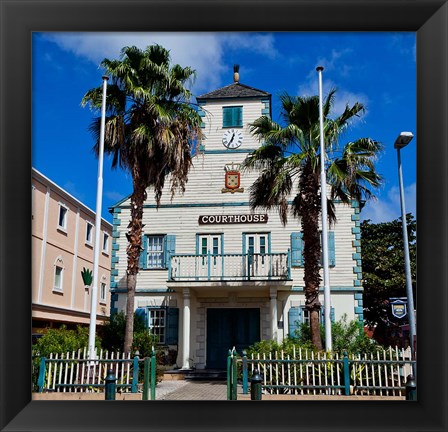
428,19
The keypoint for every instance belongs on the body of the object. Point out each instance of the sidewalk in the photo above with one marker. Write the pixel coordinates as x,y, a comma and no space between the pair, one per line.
201,390
191,390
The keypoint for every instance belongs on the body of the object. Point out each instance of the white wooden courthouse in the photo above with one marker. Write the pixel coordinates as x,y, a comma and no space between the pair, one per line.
214,274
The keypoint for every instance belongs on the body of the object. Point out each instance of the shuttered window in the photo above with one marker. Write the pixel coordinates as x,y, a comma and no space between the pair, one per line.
232,116
300,315
297,249
156,251
162,322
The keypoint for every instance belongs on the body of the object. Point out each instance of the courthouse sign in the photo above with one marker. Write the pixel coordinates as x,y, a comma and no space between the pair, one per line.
232,219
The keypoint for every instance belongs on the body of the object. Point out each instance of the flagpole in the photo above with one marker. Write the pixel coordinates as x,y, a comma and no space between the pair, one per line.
97,245
323,197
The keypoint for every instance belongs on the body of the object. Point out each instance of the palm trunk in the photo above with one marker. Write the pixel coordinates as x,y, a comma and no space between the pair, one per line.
311,250
134,236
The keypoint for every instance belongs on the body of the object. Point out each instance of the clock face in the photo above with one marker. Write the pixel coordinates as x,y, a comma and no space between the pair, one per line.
232,138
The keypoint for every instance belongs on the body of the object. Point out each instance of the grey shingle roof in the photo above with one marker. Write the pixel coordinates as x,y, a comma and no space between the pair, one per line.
234,90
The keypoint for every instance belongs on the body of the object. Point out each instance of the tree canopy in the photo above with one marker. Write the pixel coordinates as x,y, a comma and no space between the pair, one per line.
383,269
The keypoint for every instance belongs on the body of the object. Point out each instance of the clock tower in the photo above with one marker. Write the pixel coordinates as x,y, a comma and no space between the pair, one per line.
226,114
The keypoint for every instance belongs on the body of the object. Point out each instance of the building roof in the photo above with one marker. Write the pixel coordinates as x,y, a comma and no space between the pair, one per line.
235,90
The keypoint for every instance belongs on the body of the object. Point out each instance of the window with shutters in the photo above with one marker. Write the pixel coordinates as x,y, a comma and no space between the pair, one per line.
155,252
300,315
297,244
232,116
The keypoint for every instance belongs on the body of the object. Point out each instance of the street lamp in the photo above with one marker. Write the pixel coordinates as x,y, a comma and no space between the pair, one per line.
402,141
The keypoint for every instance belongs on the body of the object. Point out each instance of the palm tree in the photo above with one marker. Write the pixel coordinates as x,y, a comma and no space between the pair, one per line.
288,162
149,131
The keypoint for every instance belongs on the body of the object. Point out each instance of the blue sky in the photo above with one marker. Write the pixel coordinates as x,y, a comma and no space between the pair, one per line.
376,69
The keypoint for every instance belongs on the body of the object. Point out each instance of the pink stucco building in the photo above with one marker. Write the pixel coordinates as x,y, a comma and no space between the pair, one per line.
63,233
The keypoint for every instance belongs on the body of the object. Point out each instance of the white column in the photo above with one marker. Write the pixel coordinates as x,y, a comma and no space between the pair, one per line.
274,319
186,329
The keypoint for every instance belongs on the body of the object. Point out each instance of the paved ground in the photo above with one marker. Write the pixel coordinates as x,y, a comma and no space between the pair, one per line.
191,390
198,390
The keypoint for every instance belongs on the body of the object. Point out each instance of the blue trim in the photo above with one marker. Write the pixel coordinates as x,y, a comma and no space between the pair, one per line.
114,272
357,269
356,230
115,234
355,203
360,303
114,260
117,209
355,217
265,111
357,283
358,296
113,285
113,310
359,310
356,256
356,243
359,276
115,247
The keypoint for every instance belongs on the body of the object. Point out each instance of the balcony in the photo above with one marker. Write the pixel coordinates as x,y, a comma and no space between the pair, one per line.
230,267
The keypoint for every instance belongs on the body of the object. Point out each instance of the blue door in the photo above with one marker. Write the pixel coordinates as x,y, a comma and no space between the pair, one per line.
228,328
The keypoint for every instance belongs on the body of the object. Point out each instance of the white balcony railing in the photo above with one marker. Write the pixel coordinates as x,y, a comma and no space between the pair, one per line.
225,267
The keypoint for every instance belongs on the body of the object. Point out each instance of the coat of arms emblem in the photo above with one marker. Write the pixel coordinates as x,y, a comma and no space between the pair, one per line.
232,179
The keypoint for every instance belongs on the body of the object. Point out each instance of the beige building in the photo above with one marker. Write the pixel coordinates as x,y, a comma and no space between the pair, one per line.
63,233
213,273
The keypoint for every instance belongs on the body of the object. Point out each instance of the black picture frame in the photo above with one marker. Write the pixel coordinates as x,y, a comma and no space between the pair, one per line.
428,18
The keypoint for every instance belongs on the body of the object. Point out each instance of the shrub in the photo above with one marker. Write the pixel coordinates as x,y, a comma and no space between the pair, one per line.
346,336
113,335
62,340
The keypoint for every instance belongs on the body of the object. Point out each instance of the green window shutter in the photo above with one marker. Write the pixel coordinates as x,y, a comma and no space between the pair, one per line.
172,332
143,254
294,320
232,116
227,117
169,248
297,249
238,116
142,313
331,249
322,315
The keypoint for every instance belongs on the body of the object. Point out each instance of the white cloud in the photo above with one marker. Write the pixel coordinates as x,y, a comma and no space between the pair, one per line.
388,208
343,97
203,52
114,196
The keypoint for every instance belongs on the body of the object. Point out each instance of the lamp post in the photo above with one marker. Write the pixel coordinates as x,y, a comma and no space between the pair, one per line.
402,141
323,197
97,245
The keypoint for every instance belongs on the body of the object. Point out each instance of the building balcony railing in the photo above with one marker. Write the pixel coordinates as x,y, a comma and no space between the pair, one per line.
230,267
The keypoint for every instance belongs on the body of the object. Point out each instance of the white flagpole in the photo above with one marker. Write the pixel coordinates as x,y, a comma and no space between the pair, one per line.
323,188
97,245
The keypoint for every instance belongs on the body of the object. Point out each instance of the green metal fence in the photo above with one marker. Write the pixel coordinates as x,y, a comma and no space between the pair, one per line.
307,373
